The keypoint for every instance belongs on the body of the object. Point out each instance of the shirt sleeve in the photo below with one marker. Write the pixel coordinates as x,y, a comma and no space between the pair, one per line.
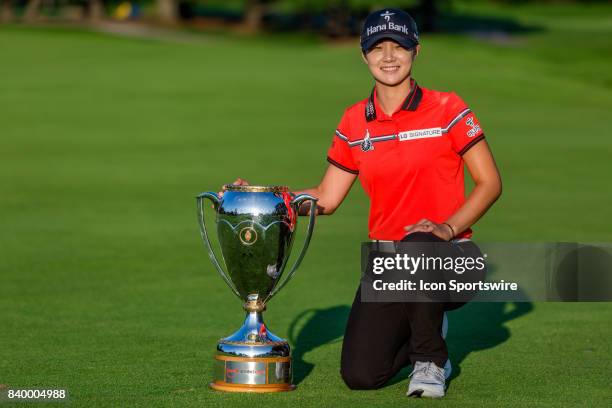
463,127
339,153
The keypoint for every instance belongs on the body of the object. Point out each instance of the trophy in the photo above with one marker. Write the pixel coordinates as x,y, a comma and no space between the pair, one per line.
256,226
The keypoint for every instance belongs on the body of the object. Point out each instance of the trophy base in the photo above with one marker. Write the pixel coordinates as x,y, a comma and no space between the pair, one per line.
253,360
244,374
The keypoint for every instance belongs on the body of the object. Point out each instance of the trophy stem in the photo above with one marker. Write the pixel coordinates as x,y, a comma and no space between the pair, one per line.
254,305
253,332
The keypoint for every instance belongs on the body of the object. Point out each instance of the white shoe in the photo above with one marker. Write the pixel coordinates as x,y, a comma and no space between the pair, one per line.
427,380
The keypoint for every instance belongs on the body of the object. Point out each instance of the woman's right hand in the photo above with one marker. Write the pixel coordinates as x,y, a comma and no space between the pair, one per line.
238,182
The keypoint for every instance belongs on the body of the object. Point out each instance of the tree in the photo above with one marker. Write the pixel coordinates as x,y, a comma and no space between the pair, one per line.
96,10
6,12
254,12
31,11
167,11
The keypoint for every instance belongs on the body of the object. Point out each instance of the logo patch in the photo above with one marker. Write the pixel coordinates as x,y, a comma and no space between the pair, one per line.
367,144
387,15
231,372
248,236
419,134
475,127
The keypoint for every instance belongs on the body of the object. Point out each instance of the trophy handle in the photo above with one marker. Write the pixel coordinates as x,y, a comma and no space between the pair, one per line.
313,213
204,233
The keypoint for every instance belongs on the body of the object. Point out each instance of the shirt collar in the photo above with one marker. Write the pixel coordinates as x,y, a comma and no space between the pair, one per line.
411,103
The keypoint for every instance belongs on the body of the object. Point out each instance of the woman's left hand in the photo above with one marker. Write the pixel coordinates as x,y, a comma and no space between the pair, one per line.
440,230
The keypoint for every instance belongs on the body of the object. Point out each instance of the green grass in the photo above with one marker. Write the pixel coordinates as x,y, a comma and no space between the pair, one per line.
106,290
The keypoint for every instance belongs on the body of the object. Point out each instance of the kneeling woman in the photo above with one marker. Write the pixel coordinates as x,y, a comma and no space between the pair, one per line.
408,146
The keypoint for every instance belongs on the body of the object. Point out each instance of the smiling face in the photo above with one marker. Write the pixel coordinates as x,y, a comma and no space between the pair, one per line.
389,62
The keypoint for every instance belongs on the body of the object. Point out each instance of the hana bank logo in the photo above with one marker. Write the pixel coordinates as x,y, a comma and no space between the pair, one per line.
387,15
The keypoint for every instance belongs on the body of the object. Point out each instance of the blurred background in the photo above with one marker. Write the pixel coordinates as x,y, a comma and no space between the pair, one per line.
333,19
114,115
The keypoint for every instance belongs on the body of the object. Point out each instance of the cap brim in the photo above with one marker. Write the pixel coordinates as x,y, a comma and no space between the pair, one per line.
400,39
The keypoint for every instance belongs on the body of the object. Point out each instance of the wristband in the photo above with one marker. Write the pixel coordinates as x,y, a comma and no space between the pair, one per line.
451,228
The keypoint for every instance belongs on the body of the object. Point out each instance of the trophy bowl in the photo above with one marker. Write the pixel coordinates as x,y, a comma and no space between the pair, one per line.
256,227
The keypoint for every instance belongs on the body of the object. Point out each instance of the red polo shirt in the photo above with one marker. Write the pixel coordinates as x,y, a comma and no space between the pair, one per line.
410,163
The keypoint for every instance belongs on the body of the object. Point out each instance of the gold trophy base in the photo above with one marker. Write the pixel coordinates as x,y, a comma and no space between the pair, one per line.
252,374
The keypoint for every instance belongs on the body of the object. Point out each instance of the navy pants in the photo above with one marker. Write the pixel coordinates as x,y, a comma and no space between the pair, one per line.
382,338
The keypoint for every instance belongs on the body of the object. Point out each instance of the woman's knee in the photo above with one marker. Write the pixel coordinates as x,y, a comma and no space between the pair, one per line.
361,379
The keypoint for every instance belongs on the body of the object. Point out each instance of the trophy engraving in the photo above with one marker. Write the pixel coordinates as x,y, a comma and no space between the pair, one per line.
256,227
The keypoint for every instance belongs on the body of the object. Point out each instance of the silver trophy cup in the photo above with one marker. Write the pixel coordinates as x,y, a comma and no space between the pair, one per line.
256,226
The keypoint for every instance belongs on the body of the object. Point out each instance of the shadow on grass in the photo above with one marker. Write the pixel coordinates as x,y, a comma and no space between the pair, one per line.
480,326
311,329
473,327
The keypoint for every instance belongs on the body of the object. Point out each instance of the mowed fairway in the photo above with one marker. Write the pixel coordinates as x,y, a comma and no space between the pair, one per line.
105,288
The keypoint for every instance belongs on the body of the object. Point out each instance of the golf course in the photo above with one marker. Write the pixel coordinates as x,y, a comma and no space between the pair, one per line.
106,290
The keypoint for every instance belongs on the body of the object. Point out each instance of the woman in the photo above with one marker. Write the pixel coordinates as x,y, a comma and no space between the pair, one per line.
408,146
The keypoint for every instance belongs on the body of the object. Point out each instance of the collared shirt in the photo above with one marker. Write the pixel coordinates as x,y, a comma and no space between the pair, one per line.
410,163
